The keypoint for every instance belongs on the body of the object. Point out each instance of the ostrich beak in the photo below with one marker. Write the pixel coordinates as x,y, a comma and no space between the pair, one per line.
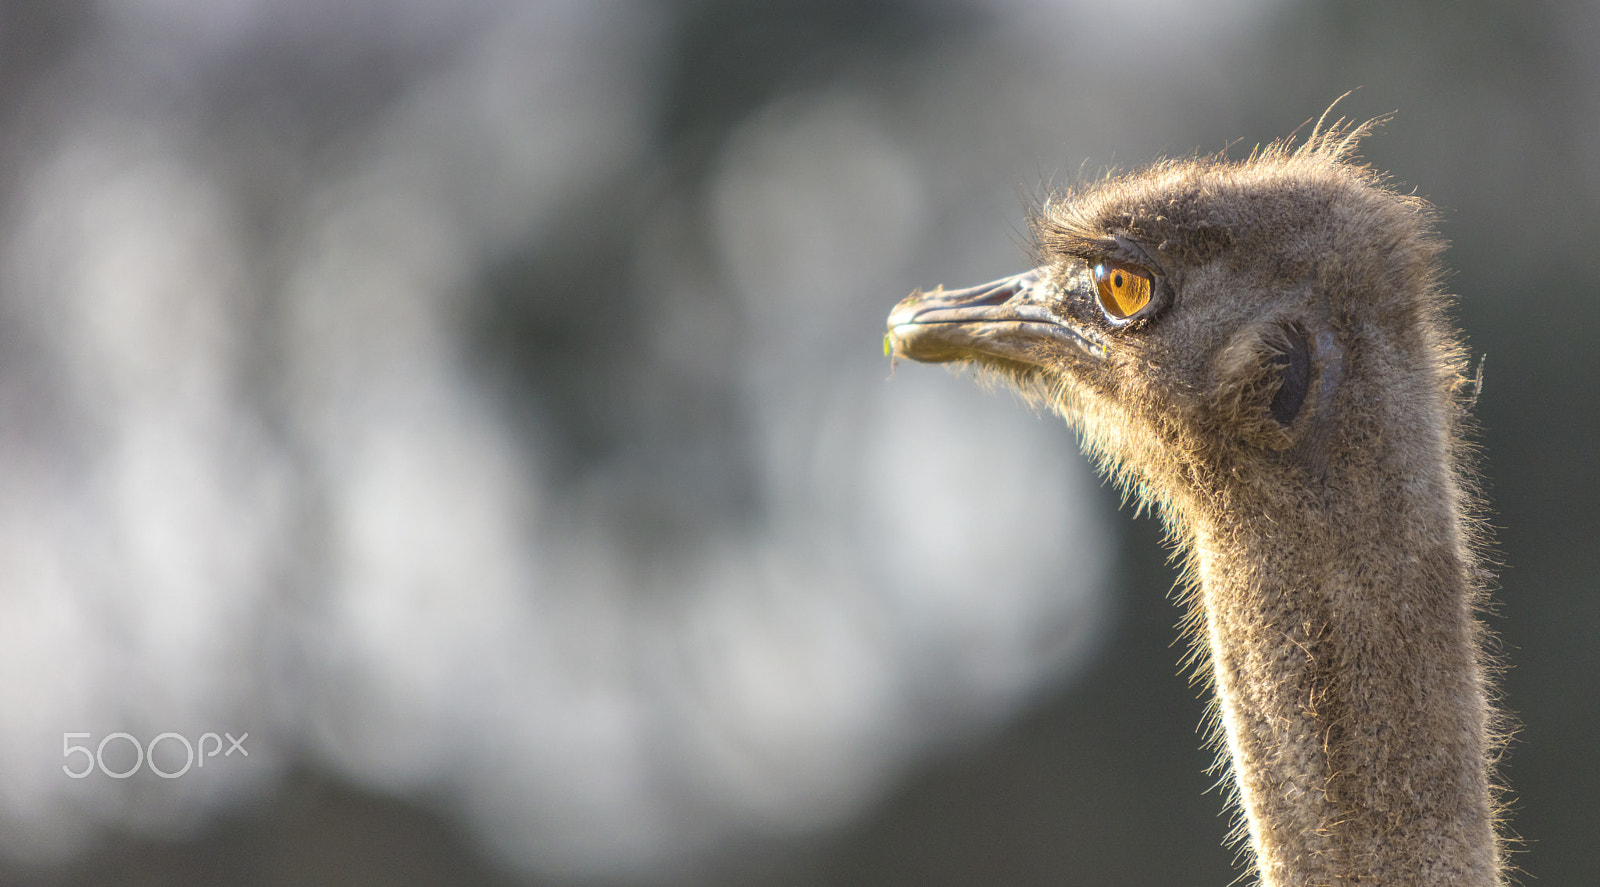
1011,319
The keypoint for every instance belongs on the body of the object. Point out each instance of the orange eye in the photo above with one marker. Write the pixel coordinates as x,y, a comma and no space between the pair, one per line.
1124,290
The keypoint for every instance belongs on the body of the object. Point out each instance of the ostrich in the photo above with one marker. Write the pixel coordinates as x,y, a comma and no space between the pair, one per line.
1259,349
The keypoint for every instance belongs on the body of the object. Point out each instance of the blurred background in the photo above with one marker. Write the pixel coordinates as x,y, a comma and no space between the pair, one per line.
476,411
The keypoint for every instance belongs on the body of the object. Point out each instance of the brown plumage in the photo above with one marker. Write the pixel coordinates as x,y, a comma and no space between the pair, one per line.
1287,390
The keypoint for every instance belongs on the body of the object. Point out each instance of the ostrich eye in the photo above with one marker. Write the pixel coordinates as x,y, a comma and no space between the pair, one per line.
1124,290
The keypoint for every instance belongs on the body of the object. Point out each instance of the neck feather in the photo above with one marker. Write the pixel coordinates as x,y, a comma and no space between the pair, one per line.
1347,660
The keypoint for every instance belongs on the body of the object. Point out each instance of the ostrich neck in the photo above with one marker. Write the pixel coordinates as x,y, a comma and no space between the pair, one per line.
1347,664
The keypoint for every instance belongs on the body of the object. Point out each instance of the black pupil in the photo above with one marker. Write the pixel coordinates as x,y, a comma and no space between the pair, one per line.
1116,280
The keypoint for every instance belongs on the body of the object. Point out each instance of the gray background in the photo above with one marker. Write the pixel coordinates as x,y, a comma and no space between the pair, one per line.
480,404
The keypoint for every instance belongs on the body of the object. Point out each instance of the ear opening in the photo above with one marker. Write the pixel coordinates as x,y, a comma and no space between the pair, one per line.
1263,376
1294,377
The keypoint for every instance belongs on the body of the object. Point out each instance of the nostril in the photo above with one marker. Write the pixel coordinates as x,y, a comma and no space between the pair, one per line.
994,295
996,292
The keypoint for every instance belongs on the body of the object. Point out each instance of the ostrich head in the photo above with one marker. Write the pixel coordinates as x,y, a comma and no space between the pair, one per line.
1200,320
